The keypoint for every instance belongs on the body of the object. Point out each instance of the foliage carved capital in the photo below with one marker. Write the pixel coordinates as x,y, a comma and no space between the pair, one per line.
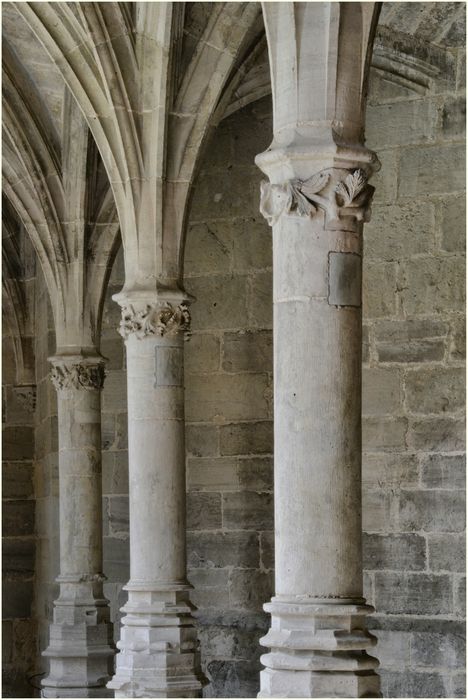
67,375
344,195
160,318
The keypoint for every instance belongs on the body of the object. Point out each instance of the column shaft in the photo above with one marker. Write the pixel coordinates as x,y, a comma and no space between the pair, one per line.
158,646
81,649
317,379
318,637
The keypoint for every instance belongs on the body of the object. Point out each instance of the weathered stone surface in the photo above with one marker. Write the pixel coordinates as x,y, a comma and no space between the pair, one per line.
252,246
436,650
17,598
399,231
116,558
383,433
18,518
267,550
437,434
115,473
432,511
255,473
113,350
17,480
447,552
115,389
443,471
7,641
202,354
18,443
402,123
246,438
414,351
435,169
408,593
18,556
227,397
394,648
458,340
382,277
453,123
260,300
223,549
396,684
201,440
381,392
212,474
248,351
386,180
233,678
453,224
203,511
224,302
248,590
118,516
378,512
254,510
433,283
404,552
435,390
210,588
209,248
389,471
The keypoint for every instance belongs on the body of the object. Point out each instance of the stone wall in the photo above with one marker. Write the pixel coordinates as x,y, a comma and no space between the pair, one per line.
19,631
229,394
114,452
413,383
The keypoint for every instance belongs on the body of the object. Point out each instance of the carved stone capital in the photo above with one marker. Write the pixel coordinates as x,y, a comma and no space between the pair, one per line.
72,374
159,318
344,195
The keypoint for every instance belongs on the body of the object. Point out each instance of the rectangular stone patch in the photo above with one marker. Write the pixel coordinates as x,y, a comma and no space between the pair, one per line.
169,366
344,279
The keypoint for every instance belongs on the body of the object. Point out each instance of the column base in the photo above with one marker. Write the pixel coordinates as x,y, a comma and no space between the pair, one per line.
158,655
81,649
318,649
60,692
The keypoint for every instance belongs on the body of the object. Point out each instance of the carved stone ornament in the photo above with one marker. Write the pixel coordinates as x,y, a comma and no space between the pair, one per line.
344,196
77,376
155,319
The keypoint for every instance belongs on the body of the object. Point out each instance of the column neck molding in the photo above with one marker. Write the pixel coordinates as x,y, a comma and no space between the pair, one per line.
77,372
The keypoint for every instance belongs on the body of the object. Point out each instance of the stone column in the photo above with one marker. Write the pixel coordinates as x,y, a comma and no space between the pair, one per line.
158,648
316,201
81,649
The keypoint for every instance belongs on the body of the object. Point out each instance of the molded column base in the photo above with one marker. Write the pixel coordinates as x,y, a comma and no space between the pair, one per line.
318,649
81,648
158,655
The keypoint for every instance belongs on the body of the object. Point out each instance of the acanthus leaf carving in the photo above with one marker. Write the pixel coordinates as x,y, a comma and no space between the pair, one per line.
65,375
344,197
352,185
159,318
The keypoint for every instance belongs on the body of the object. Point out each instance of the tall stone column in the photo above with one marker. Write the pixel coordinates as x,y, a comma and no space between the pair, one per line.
158,655
316,201
81,650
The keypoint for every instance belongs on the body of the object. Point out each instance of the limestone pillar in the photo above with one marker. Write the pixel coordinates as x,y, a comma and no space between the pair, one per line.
81,649
158,648
316,201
